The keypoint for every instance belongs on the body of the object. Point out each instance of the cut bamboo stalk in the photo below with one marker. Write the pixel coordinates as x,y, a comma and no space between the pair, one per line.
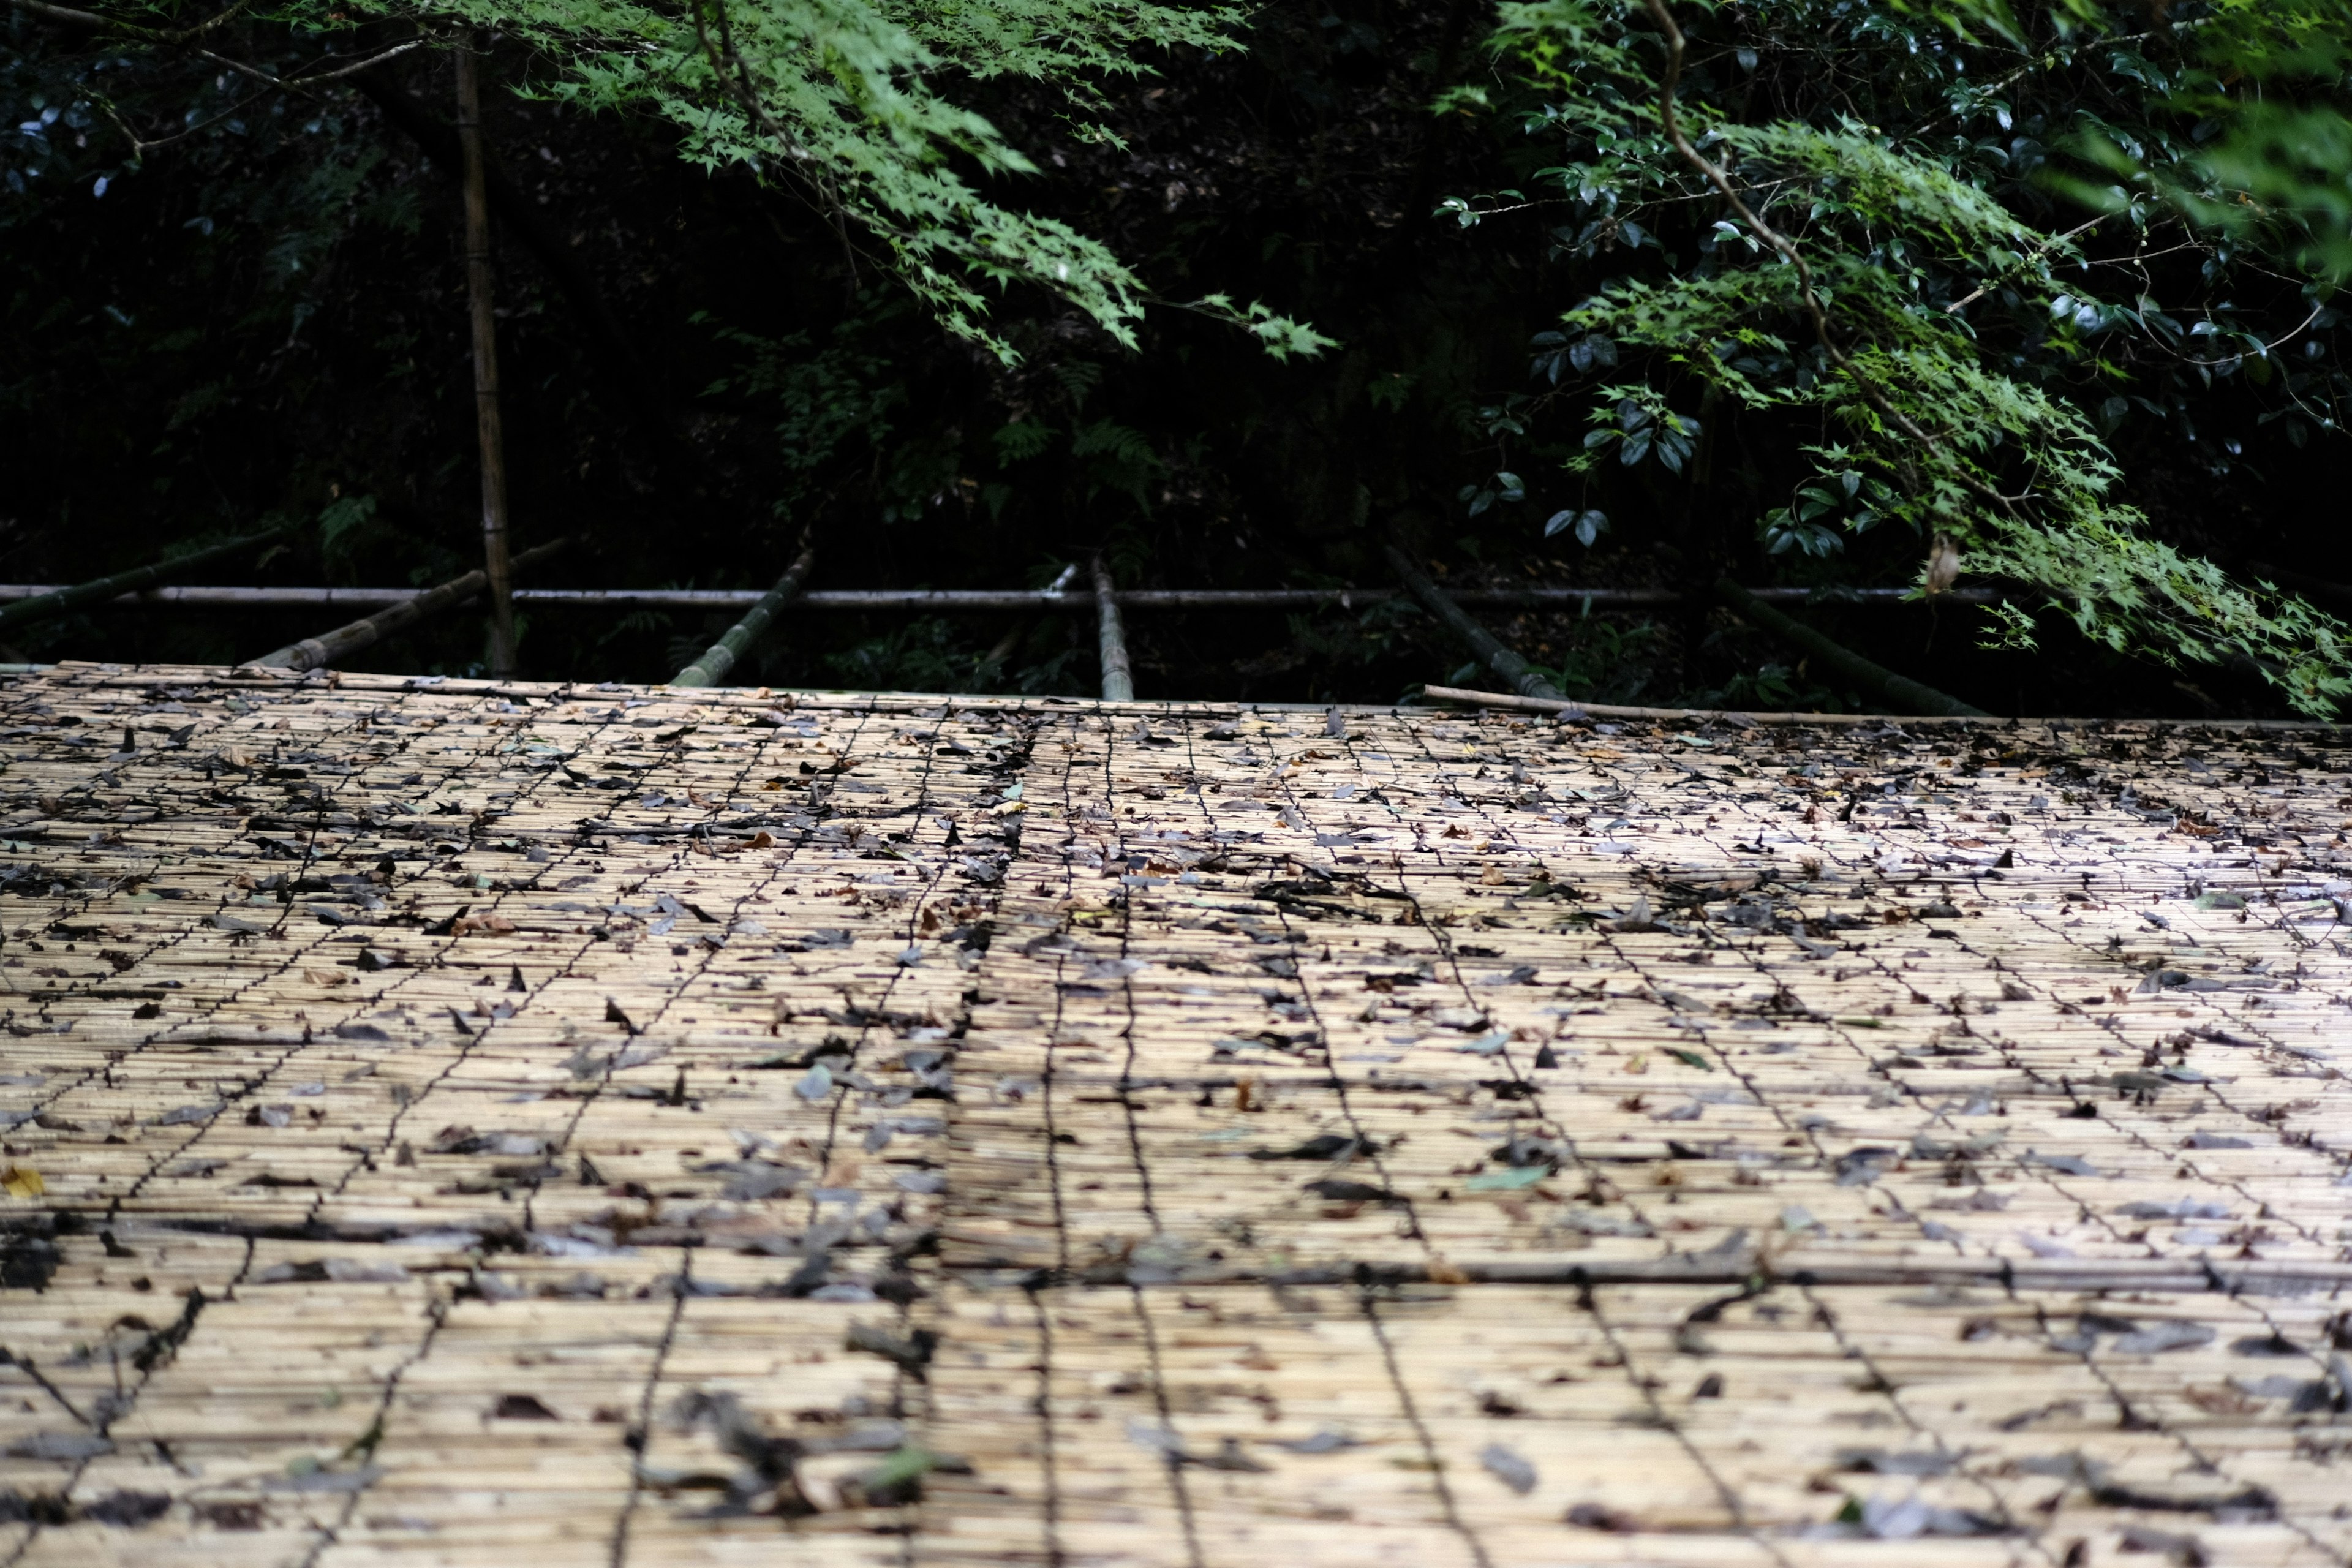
497,571
317,653
720,656
40,604
1117,680
1877,680
1524,679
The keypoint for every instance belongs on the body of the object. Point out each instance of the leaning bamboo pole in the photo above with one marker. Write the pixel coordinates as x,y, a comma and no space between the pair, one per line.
317,653
1118,677
721,656
994,661
1831,657
1524,679
205,596
44,602
498,572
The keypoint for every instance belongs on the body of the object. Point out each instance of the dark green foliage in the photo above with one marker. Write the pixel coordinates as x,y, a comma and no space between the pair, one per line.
1813,274
264,318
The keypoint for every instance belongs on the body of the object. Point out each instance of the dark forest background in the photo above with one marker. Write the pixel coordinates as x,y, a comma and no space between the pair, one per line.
266,321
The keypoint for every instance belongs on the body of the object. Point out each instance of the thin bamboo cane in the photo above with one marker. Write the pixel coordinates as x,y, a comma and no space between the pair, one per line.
1567,708
1118,678
721,656
317,653
1524,677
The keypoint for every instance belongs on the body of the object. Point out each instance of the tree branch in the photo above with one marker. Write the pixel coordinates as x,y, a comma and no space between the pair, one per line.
2045,248
112,27
1671,123
92,20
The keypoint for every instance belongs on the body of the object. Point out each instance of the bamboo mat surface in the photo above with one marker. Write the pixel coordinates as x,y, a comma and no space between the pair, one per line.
449,1124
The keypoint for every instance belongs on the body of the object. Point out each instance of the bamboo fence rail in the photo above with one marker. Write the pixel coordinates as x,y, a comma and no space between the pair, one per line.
463,1121
960,601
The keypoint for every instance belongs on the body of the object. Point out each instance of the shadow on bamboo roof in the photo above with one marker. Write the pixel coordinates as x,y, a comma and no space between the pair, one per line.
566,1124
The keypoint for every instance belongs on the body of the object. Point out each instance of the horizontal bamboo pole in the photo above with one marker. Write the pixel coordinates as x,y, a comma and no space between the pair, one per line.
977,601
721,656
317,653
44,602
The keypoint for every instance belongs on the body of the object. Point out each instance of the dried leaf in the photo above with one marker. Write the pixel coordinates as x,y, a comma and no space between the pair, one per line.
1509,1468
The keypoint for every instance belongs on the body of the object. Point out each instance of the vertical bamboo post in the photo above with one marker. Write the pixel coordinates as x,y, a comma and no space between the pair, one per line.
496,567
1117,682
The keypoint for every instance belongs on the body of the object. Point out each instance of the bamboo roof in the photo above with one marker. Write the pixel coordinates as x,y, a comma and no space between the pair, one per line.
457,1124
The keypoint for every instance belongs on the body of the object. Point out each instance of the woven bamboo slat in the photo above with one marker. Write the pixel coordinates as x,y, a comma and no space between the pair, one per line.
468,1122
